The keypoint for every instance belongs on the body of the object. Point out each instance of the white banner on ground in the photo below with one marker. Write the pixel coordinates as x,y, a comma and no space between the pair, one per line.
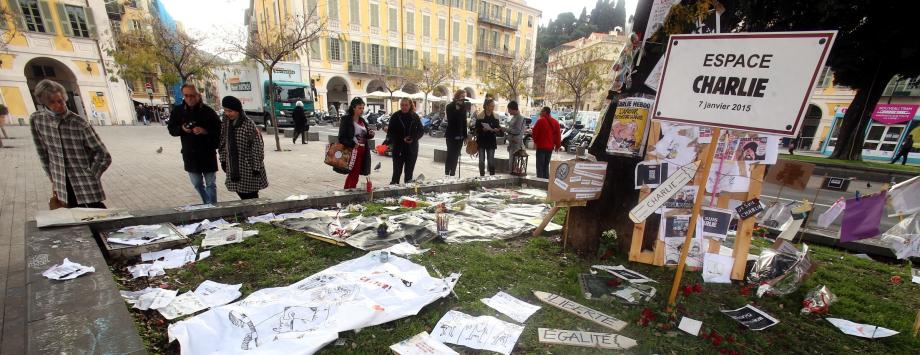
757,82
483,332
303,317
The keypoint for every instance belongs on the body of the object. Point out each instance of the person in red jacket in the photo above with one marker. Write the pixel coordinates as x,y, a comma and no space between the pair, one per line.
546,137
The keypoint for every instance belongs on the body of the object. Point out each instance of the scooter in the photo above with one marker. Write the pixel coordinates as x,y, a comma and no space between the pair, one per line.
438,128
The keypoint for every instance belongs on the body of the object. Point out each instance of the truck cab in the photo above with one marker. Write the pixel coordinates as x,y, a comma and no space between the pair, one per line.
287,93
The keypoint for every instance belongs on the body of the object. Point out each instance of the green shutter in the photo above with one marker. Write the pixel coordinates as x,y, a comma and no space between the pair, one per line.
64,19
90,22
16,12
45,10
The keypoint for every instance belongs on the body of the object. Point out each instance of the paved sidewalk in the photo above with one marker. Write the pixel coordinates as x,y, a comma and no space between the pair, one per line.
140,178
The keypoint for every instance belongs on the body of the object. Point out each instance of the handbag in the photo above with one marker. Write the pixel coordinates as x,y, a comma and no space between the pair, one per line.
339,156
54,202
472,147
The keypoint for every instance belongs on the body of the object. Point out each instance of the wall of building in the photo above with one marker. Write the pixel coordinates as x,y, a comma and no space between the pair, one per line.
76,60
607,47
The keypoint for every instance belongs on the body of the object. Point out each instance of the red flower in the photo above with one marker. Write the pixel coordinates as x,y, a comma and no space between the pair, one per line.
613,282
697,288
896,280
647,317
716,339
730,339
746,290
687,290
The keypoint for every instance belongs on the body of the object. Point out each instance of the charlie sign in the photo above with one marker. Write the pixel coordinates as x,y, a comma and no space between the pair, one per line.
756,82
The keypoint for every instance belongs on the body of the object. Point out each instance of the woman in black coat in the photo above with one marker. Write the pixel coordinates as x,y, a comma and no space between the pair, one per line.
300,123
242,153
354,133
403,132
486,127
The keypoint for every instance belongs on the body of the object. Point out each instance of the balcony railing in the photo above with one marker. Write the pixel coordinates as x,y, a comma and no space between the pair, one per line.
497,21
486,49
371,69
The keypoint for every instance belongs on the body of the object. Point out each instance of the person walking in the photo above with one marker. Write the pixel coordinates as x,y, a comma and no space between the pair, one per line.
4,113
546,138
905,149
141,114
198,129
456,132
354,133
242,153
300,123
403,131
486,127
515,133
72,154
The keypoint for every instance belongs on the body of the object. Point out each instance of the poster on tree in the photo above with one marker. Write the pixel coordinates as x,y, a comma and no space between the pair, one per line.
629,129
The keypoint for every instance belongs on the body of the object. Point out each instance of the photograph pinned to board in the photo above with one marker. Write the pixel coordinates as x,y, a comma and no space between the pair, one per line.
683,198
677,146
673,225
751,317
650,173
716,222
747,146
694,257
629,129
729,177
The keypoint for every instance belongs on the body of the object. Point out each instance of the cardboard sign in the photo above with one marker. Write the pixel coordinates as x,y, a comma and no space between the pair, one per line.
586,339
757,82
749,208
791,174
581,311
751,317
576,180
664,191
835,183
629,128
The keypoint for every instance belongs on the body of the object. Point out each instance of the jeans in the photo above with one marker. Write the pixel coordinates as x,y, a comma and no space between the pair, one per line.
482,161
302,135
543,158
404,157
204,183
453,156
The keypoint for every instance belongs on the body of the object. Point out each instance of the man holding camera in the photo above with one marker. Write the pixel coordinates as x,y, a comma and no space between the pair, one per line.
456,130
198,128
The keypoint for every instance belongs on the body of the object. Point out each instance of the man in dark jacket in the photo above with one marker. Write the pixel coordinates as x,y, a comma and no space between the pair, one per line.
905,150
403,131
198,128
300,123
456,130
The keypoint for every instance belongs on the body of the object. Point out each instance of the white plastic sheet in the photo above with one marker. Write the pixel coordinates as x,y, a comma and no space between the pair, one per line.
421,344
301,318
149,298
213,294
861,330
67,270
184,304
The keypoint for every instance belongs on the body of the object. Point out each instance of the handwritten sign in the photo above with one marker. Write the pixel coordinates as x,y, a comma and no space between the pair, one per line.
421,344
752,317
484,332
576,180
586,339
749,208
581,311
664,191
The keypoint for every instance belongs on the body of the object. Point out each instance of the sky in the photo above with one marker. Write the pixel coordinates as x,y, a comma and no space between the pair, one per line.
213,19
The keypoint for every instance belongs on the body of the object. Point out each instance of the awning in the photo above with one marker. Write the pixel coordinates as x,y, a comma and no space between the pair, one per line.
378,95
148,102
401,94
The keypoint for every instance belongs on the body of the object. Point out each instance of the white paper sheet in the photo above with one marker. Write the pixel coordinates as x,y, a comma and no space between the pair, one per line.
484,332
146,270
171,258
915,276
149,298
734,177
67,270
689,325
511,306
624,273
189,229
224,236
861,330
213,294
203,255
903,196
717,268
184,304
422,344
404,248
694,258
187,208
265,218
829,216
301,318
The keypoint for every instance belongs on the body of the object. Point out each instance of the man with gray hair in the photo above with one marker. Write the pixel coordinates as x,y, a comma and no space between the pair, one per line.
71,152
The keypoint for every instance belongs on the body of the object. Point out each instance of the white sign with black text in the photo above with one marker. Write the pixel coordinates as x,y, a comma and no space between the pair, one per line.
757,82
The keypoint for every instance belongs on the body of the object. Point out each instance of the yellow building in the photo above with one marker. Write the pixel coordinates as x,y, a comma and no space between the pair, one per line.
62,40
599,49
133,15
369,37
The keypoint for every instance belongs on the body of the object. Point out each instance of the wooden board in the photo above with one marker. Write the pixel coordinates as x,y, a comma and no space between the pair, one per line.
585,339
581,311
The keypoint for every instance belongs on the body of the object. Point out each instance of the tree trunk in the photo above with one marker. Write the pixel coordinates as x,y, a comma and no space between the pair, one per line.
856,120
271,107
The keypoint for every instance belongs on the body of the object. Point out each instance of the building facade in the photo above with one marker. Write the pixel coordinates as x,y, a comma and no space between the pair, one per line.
600,50
62,40
367,38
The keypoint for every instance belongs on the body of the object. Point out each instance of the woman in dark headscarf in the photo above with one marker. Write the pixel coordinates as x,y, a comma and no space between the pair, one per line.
242,153
354,133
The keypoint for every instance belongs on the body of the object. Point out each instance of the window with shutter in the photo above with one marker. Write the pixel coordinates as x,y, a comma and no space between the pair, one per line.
410,22
426,26
73,21
375,15
355,52
354,8
333,9
375,54
335,53
456,34
394,24
441,28
469,34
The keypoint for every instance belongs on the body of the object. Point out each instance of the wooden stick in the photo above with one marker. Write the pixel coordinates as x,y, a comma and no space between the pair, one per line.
546,219
688,239
917,324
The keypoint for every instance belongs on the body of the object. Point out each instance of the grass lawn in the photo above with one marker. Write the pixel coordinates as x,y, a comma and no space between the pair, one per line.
278,257
913,169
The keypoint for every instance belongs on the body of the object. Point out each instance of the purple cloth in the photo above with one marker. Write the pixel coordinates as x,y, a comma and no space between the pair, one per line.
861,218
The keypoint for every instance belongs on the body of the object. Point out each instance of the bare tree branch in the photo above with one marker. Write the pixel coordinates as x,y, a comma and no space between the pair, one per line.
508,77
578,73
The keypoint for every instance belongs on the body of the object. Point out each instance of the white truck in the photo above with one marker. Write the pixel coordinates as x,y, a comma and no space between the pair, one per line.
249,83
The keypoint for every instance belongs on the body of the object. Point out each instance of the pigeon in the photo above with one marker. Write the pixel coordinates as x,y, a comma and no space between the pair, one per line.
377,167
160,150
421,177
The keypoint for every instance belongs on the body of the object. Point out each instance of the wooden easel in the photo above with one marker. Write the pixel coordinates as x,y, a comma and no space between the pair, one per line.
742,245
552,213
